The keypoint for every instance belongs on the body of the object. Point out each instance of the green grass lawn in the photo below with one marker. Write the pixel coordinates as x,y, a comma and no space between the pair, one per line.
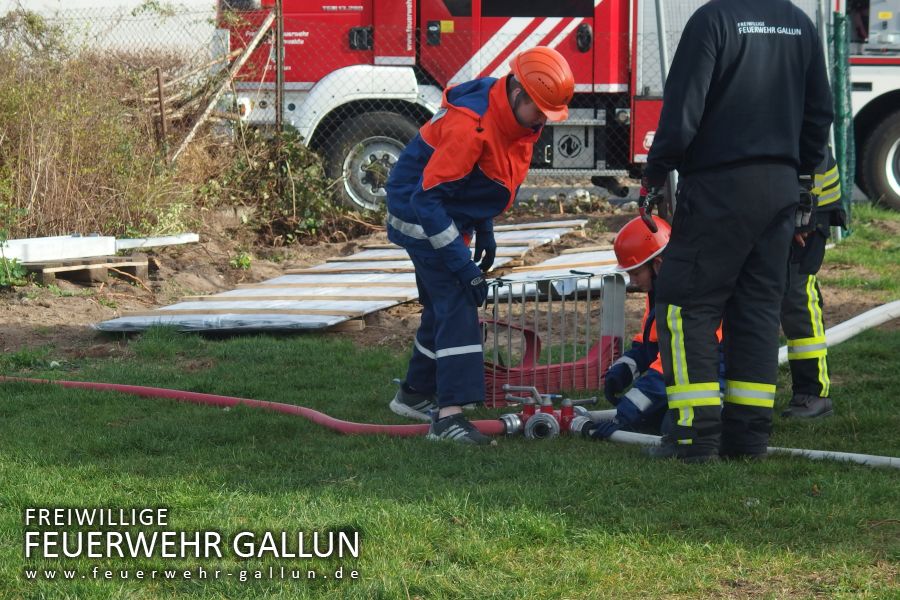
869,258
563,518
558,519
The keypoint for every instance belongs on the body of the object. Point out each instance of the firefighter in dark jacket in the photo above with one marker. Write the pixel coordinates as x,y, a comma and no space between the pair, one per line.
801,309
462,169
745,119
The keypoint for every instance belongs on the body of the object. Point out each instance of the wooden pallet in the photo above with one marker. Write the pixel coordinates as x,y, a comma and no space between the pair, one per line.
89,270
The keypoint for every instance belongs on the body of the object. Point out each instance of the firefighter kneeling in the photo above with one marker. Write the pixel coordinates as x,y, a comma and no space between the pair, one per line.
639,253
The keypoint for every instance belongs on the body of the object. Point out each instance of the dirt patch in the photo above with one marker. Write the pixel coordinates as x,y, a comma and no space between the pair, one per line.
890,227
60,316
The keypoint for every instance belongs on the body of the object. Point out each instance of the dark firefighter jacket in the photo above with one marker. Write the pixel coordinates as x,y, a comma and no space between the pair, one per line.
747,85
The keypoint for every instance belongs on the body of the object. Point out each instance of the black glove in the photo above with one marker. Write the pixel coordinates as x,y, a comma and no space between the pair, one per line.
651,195
600,430
485,244
472,279
804,222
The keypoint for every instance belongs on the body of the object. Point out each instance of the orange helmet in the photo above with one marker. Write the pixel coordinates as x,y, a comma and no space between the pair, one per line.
636,245
547,79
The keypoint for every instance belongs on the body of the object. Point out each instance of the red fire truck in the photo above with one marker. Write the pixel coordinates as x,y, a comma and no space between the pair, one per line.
360,77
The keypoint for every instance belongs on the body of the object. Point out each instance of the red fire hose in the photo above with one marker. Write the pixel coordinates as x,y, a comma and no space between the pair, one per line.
487,427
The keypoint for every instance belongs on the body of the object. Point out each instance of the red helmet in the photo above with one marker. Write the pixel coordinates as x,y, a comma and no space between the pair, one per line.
636,245
547,79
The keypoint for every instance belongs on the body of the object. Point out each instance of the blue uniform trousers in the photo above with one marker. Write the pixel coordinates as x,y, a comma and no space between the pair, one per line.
448,357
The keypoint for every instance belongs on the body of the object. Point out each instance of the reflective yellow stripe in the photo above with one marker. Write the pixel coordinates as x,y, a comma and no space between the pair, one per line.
692,387
827,186
731,384
750,393
695,402
676,329
823,180
807,355
815,312
829,196
805,348
824,380
686,416
686,419
750,401
810,341
693,394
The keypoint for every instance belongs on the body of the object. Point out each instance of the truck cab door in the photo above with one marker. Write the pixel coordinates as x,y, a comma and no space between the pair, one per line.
507,27
445,39
467,39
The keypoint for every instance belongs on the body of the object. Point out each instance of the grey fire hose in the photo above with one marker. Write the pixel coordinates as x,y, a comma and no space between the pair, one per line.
643,439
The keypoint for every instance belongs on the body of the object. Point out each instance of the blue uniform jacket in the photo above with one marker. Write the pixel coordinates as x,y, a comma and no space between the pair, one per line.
461,170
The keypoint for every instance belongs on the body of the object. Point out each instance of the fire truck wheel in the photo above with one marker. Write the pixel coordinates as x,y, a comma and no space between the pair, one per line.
880,163
362,153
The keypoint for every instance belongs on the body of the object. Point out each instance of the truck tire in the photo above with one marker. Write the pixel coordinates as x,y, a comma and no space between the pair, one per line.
361,154
880,163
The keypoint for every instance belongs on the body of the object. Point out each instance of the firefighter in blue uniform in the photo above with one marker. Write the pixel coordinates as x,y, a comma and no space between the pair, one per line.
638,253
801,309
745,119
462,169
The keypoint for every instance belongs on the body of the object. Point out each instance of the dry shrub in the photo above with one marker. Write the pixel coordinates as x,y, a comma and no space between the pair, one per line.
79,149
73,155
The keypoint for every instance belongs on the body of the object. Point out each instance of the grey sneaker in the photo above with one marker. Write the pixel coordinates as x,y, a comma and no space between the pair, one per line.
456,428
412,404
807,406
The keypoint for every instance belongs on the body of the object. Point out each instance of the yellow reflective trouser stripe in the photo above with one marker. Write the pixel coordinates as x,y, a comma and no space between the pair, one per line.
693,394
804,348
676,329
750,394
815,312
684,398
685,419
824,380
818,330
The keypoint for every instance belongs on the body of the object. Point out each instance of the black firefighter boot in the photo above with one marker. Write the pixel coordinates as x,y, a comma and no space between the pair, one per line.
703,431
808,406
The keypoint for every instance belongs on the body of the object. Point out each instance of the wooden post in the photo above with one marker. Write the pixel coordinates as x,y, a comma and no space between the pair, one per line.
279,92
163,144
232,71
279,67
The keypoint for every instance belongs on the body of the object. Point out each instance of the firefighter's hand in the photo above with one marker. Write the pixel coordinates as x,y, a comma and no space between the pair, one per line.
800,239
600,430
803,220
651,195
472,280
616,380
486,245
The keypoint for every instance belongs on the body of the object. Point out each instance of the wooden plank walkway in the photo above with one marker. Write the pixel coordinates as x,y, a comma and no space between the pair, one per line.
327,295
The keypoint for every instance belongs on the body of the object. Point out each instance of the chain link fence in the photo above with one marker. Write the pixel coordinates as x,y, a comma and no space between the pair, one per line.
360,79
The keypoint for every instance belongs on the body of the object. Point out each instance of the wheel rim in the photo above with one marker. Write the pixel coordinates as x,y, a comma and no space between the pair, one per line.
892,167
366,169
